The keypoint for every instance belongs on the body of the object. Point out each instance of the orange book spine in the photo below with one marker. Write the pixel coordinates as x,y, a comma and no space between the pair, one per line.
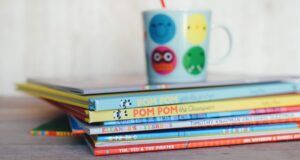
195,144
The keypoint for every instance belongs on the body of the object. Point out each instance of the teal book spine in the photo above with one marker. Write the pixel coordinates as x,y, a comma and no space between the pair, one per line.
195,132
144,99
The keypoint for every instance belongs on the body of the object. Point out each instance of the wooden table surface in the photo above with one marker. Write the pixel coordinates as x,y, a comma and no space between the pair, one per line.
19,115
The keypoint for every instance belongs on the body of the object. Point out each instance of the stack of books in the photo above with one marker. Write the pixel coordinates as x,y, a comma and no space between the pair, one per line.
122,115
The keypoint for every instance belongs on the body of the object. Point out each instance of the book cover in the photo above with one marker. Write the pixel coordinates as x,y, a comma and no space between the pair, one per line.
80,114
75,128
93,129
138,83
144,99
103,139
192,138
205,115
189,96
285,135
56,127
193,108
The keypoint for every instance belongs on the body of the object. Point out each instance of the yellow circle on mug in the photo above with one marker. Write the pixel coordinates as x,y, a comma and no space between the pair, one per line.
196,28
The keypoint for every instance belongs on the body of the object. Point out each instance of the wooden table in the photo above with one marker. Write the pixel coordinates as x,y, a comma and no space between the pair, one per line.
19,115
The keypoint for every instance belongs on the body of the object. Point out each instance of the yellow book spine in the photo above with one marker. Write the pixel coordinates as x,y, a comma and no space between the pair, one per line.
56,98
43,89
194,108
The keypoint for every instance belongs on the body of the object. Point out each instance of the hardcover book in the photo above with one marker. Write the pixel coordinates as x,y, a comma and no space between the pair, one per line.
117,84
94,129
142,99
182,109
60,126
191,132
193,142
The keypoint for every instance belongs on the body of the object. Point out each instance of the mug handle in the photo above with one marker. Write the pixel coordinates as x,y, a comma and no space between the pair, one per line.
230,39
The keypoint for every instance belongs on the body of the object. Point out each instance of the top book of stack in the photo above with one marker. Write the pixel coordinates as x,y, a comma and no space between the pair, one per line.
131,92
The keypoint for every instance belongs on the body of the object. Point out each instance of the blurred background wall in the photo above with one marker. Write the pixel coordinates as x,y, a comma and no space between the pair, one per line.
94,38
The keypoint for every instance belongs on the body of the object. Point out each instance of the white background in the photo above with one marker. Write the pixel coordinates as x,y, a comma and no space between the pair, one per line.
94,38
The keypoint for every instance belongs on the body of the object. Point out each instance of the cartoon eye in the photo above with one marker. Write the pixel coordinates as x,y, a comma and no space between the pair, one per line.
189,27
157,57
169,24
204,28
153,25
168,56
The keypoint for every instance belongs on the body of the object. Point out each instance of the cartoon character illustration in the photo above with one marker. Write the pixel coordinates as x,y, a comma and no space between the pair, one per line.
194,60
163,60
162,28
124,103
119,114
196,28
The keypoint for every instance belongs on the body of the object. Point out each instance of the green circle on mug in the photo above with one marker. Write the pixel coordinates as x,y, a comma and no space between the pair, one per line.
194,60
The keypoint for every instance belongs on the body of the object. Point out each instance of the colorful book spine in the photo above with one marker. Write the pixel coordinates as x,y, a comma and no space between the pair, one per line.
194,132
76,129
188,96
225,121
204,115
52,133
150,147
193,108
54,94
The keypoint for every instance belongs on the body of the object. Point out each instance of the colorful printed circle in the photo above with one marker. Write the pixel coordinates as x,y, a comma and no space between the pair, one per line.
196,28
194,60
163,60
162,28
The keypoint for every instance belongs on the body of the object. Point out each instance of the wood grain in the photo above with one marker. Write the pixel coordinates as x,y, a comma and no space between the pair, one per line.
19,115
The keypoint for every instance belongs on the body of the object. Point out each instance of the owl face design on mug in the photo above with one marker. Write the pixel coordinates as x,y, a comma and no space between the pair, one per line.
196,28
194,60
163,60
162,29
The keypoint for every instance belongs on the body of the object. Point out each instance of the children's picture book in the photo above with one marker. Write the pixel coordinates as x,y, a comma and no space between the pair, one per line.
192,142
59,126
183,109
94,129
75,128
191,138
145,99
176,133
205,115
139,83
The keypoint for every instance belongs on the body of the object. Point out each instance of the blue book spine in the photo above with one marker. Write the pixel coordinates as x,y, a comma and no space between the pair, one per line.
74,125
196,132
188,95
178,117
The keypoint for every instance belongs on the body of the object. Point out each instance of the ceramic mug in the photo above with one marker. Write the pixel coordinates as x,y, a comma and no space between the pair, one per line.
177,45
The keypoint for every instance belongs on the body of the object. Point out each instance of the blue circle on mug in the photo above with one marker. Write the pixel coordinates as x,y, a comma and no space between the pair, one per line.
162,28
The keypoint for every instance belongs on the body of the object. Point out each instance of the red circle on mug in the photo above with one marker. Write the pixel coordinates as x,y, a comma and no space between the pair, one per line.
163,60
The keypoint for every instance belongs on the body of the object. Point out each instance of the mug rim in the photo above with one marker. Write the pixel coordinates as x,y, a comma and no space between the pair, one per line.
176,10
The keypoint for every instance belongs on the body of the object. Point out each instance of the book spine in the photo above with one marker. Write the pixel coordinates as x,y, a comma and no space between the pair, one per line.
204,115
82,104
188,96
195,132
196,144
178,117
225,121
51,133
193,108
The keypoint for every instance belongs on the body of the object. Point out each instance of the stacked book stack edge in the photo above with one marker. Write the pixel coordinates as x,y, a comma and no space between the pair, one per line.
117,117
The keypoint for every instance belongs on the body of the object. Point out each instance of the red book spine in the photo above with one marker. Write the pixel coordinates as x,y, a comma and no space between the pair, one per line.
195,144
